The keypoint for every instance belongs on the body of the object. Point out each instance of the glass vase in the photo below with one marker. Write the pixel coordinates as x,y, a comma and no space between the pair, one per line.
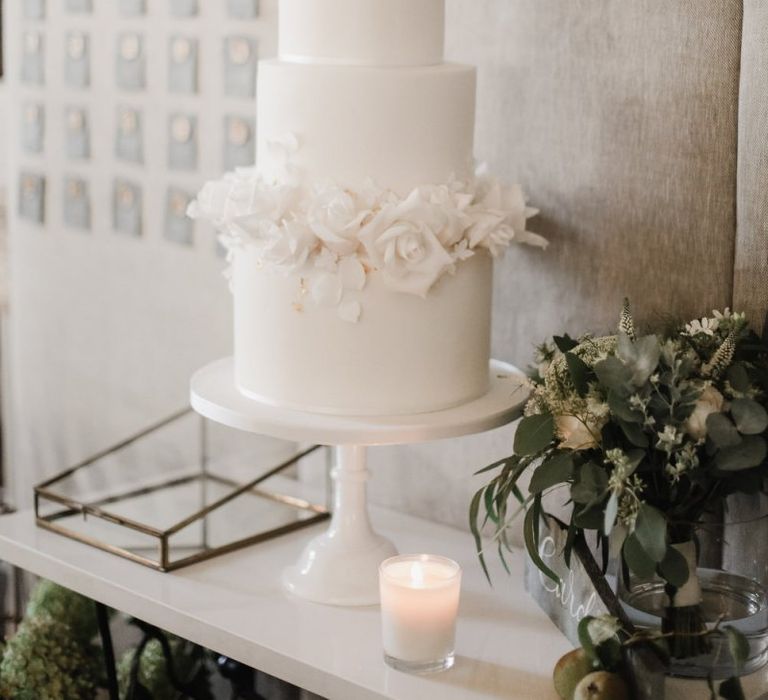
731,585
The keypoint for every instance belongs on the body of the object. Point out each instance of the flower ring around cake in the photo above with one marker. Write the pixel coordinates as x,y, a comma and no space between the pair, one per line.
335,236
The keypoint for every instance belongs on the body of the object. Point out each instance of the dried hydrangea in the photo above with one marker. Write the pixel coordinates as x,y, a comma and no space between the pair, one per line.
43,661
66,606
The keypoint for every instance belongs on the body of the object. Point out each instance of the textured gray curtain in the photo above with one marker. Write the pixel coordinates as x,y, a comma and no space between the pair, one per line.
750,290
622,121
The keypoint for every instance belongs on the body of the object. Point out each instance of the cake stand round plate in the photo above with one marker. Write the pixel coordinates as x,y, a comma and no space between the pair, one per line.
215,396
340,566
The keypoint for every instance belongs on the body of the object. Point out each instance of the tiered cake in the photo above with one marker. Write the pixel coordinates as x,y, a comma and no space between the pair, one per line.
361,243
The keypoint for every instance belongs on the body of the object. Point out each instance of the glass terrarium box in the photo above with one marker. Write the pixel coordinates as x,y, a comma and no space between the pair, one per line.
185,490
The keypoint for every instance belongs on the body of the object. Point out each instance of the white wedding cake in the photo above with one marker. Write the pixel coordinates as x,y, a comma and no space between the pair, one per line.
361,243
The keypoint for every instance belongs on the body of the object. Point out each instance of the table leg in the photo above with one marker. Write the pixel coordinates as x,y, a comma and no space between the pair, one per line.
102,617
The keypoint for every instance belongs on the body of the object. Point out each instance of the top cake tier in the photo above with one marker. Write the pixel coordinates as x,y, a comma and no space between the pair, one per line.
363,32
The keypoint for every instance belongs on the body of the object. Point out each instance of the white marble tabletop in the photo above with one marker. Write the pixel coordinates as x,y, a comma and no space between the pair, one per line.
235,605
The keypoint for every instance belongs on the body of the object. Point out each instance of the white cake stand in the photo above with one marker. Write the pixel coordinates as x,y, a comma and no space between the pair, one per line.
340,567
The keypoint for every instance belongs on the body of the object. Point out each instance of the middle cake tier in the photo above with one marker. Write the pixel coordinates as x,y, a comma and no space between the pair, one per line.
400,127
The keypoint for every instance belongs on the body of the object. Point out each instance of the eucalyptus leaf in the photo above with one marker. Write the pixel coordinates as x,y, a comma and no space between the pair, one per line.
634,433
751,418
585,639
737,377
591,485
730,689
554,471
534,434
674,568
721,430
651,532
620,406
499,463
614,375
565,343
738,646
636,559
474,509
751,452
579,372
530,528
609,653
611,512
589,518
641,356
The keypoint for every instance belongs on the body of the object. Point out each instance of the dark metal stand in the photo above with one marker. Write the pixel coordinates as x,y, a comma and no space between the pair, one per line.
108,649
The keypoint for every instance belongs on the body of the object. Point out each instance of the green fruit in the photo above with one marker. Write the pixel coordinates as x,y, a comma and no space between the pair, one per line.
601,685
569,671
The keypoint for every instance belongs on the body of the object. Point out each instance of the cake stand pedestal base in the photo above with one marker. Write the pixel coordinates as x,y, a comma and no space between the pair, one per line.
341,567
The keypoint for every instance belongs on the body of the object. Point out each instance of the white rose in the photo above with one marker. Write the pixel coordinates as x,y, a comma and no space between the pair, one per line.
574,434
402,242
211,202
273,203
242,198
451,219
287,246
710,401
499,217
335,216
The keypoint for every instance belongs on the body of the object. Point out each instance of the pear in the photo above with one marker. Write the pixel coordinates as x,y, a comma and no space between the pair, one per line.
569,671
601,685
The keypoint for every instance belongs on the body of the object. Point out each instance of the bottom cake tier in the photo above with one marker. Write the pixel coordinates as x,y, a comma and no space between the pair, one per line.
403,355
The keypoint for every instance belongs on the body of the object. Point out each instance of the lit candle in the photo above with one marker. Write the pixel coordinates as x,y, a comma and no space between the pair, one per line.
419,603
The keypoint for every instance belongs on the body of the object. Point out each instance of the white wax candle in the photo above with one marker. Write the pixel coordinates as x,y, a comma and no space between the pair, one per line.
419,603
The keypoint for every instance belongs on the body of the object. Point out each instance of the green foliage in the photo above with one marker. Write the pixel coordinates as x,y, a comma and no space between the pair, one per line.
533,434
651,532
43,661
604,640
75,611
750,417
673,568
648,432
153,670
555,470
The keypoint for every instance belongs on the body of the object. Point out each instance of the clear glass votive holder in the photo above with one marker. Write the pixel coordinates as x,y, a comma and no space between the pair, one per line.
419,605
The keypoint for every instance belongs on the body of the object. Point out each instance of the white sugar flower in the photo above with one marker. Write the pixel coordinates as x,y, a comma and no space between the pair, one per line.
401,241
450,206
336,215
499,217
287,247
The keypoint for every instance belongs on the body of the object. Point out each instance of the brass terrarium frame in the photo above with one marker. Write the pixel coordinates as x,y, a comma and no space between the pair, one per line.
65,506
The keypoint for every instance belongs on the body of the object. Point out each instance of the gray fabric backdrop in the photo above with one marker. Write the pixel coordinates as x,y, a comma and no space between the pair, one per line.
627,123
751,263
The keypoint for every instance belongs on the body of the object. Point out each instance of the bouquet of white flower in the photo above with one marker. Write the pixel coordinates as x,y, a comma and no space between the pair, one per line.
649,433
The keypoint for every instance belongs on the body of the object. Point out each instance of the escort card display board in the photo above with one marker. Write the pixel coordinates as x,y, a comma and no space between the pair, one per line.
120,110
125,107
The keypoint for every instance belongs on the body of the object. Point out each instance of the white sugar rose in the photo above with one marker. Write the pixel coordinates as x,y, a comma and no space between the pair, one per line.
211,202
287,246
499,217
710,401
451,219
335,216
243,198
402,242
574,434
